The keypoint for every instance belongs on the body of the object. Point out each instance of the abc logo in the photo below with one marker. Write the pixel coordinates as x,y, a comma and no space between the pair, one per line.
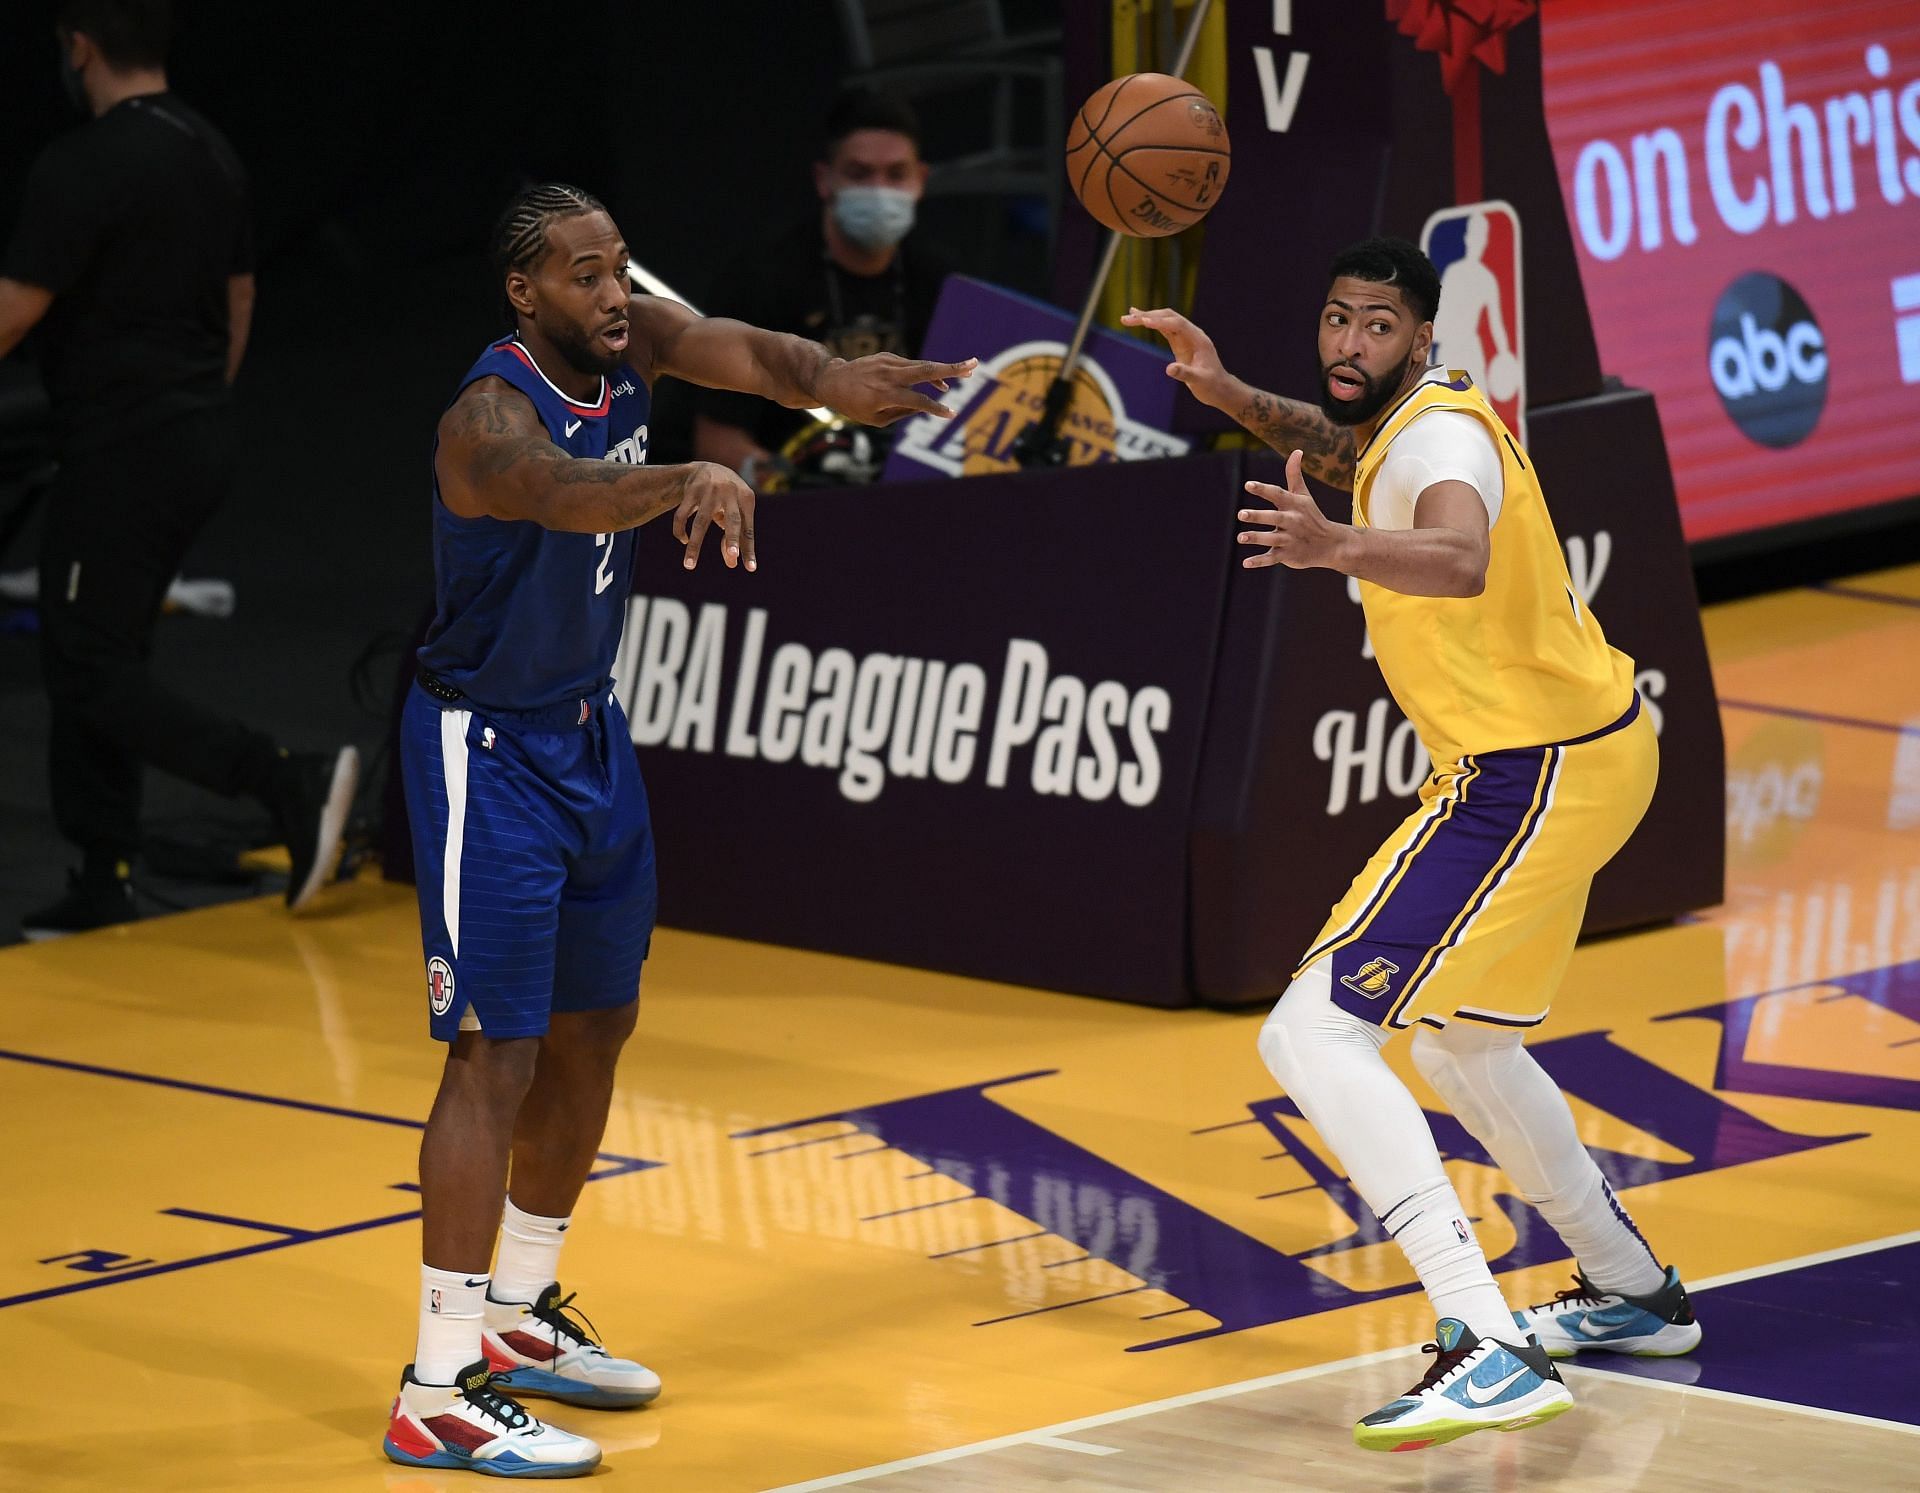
1768,359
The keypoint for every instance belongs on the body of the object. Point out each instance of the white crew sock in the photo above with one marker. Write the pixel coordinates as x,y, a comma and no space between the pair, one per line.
528,1260
451,1303
1329,1062
1513,1108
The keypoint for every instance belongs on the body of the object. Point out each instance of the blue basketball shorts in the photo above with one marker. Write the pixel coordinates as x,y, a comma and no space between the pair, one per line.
533,853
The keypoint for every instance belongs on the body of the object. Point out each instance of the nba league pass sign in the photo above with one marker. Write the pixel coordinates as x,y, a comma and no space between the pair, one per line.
1478,327
1743,182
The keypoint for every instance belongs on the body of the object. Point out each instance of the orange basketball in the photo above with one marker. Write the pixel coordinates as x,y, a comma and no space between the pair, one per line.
1148,155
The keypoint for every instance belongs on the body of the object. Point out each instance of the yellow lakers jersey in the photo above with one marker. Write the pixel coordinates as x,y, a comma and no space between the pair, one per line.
1522,664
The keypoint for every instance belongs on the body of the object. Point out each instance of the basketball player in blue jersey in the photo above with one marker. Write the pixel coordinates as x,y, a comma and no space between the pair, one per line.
532,843
1461,926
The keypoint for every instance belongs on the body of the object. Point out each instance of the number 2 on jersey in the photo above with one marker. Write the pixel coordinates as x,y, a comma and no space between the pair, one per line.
603,572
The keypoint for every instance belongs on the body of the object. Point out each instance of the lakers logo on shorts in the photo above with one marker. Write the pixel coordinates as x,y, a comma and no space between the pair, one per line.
439,985
1372,978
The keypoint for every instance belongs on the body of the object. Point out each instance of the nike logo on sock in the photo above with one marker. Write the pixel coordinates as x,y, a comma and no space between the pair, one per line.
480,1282
1487,1396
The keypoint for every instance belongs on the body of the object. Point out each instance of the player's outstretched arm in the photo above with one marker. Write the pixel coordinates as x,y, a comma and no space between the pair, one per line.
722,354
494,460
1445,553
1284,424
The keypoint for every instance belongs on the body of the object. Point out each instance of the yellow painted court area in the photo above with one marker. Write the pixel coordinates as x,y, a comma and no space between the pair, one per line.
209,1269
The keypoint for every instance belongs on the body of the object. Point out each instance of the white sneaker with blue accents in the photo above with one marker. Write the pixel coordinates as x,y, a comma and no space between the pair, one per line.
1475,1384
1587,1318
539,1348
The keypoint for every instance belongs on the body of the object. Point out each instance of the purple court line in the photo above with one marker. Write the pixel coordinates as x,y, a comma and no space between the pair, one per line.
238,1223
1062,1306
947,1254
1287,1192
868,1151
621,1166
1864,593
1229,1125
818,1140
244,1250
932,1171
1076,1260
1820,716
1172,1311
965,1197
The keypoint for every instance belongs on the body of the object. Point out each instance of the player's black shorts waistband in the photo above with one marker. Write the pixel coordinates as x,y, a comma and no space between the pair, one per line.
575,712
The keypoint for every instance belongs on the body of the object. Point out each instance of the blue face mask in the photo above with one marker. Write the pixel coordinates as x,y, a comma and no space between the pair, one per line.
873,217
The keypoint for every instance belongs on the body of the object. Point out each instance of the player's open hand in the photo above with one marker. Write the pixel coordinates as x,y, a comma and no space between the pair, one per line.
1195,361
711,496
1294,532
884,387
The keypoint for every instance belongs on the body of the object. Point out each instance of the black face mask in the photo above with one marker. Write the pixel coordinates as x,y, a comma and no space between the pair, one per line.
72,80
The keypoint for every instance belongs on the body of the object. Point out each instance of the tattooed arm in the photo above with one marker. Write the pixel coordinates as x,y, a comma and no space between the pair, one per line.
1287,425
494,459
721,354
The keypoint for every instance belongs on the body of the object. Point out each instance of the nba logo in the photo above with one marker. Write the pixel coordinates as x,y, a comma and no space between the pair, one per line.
1479,327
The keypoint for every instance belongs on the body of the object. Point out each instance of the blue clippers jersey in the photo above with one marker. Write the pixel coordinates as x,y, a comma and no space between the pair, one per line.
527,617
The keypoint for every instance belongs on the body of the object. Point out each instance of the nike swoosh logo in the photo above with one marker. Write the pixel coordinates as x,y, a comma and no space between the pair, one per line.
1585,1324
480,1282
572,426
1479,1396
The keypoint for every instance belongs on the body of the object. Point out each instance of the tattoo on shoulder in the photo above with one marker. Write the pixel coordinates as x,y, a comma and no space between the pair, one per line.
1288,425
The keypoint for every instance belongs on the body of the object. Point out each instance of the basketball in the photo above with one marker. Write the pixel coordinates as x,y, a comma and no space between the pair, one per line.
1148,155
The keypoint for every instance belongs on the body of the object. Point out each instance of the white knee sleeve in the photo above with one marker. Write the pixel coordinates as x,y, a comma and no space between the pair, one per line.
1512,1107
1508,1104
1328,1060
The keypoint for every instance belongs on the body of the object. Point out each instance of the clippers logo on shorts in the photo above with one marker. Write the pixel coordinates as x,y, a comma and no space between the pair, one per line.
1480,326
1372,978
1768,359
439,985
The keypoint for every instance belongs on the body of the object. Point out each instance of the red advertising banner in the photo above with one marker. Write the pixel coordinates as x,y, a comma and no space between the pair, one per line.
1743,182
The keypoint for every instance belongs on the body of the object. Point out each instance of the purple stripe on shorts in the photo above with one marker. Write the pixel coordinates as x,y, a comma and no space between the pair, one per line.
1462,858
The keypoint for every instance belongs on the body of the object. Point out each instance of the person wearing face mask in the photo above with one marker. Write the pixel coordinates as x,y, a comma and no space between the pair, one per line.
132,262
855,276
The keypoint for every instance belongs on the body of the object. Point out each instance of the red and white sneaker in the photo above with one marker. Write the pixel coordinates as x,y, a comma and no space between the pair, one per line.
474,1426
539,1349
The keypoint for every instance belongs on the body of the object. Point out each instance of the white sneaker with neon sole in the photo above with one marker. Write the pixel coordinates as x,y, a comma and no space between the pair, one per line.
473,1426
538,1348
1475,1384
1587,1319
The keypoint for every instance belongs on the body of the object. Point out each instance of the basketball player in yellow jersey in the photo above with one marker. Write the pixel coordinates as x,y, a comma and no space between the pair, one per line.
1461,926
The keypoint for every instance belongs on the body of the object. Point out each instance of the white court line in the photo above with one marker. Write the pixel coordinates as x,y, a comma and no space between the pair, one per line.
1062,1444
1818,1412
1295,1376
1088,1422
1825,1256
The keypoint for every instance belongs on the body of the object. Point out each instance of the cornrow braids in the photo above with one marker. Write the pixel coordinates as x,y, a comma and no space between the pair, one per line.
520,237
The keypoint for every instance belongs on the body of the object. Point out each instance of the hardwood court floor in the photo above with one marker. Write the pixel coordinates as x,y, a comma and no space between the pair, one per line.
874,1225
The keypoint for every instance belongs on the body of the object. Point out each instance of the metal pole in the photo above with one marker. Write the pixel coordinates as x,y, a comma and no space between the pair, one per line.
1038,444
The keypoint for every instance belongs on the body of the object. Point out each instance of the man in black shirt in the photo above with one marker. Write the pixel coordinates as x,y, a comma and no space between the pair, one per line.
856,277
133,257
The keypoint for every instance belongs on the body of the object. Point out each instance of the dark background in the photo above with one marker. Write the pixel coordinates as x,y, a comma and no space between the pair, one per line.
382,142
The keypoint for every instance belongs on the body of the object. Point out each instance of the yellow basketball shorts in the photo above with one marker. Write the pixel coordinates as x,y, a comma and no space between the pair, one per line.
1471,907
